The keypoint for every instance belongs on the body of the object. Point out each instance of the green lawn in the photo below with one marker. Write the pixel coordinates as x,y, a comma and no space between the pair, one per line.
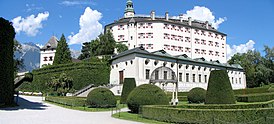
135,117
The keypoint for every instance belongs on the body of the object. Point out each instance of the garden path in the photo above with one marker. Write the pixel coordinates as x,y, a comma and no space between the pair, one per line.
33,110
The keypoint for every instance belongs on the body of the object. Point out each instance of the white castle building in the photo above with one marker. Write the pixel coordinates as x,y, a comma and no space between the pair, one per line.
47,52
165,50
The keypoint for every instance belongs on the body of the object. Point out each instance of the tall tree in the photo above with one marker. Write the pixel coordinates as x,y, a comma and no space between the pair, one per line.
62,54
7,35
85,51
121,47
256,68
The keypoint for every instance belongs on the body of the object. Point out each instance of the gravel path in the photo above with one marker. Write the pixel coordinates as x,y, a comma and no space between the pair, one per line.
33,110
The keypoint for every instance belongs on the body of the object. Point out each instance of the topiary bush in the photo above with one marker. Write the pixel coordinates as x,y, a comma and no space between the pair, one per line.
219,90
196,95
101,98
146,94
128,86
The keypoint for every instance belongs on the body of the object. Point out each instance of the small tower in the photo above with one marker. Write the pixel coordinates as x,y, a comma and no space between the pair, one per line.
47,52
129,11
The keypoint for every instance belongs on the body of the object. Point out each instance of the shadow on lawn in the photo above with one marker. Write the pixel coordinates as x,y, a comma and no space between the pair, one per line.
26,104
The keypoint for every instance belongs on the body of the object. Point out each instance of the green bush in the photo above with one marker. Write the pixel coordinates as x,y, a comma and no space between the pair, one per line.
83,74
270,89
128,86
146,94
69,101
208,116
260,97
196,95
219,90
101,98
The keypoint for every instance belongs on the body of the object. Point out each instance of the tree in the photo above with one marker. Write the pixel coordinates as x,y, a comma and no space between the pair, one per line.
62,55
85,51
62,85
7,35
18,63
269,61
121,47
259,70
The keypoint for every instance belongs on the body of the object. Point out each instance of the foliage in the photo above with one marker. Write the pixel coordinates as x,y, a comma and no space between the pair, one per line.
196,95
128,86
146,94
204,116
260,97
101,98
219,90
135,118
62,85
83,74
85,51
121,47
259,70
7,35
251,90
62,55
69,101
103,45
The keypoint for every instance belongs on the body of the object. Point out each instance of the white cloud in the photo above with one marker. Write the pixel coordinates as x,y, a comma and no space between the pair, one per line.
73,3
204,14
75,53
31,24
90,27
242,48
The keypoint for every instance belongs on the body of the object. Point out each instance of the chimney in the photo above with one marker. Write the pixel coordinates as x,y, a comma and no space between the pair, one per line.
181,16
166,15
206,23
189,21
152,15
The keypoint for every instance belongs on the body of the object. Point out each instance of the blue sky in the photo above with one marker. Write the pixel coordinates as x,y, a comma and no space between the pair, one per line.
248,24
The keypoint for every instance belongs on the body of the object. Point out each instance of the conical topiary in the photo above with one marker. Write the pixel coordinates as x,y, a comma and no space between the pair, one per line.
128,86
219,90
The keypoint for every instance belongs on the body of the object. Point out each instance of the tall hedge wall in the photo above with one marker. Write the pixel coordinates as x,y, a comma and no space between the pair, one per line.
83,74
7,35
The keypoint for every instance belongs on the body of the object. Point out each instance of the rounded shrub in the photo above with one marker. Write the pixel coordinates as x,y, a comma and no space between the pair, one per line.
219,90
101,98
196,95
146,94
128,86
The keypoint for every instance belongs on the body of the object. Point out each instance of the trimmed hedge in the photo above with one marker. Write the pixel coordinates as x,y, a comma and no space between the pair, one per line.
69,101
219,90
262,97
181,115
101,98
83,74
196,95
251,90
146,94
128,86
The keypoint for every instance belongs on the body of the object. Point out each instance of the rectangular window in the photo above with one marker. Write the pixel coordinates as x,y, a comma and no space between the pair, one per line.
232,80
236,80
156,74
200,78
240,80
50,58
205,78
45,58
147,73
165,75
193,77
187,77
180,76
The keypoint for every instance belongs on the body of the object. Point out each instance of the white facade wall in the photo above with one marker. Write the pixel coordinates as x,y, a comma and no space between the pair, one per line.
176,39
45,56
138,68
